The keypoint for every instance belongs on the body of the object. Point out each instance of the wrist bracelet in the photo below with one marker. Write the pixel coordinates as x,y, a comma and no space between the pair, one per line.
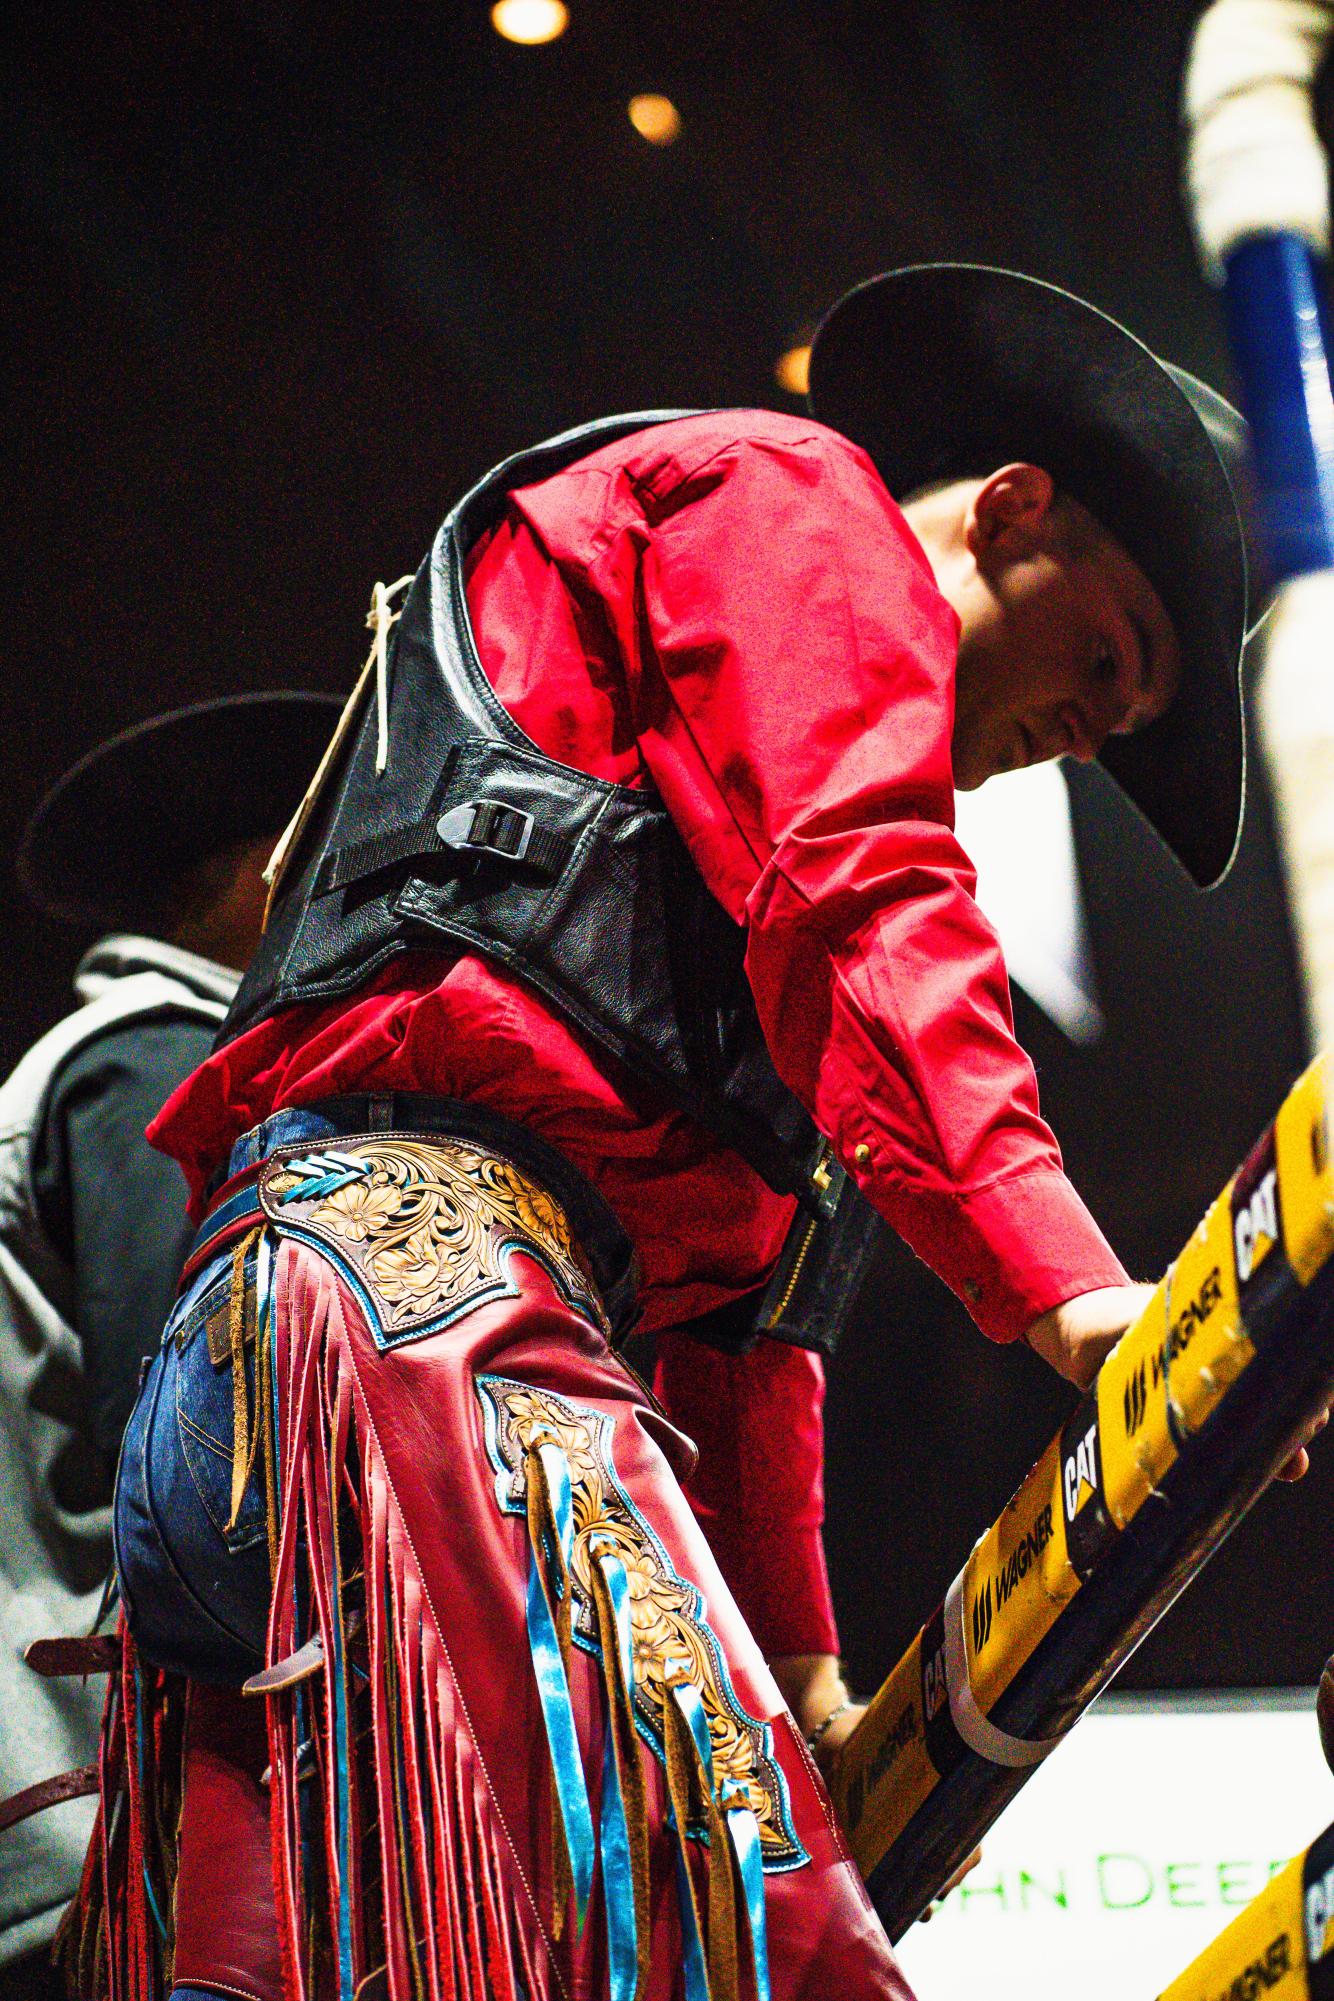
839,1709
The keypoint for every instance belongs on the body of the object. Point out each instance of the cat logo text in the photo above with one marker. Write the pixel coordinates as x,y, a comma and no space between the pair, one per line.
1255,1225
1079,1472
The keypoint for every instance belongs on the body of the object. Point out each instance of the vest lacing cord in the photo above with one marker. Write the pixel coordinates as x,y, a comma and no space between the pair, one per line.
381,620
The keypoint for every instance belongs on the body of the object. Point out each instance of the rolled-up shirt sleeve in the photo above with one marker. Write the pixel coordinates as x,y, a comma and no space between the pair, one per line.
793,671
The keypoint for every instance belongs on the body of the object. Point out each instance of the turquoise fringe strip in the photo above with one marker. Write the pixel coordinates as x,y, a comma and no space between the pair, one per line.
554,1690
618,1890
743,1829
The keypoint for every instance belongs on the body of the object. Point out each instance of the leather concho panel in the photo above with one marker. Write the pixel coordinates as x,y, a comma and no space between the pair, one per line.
423,1227
671,1636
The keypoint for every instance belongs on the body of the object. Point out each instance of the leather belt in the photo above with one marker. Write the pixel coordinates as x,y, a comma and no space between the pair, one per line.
233,1211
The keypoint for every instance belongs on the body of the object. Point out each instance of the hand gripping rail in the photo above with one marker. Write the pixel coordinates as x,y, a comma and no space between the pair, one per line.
1191,1414
1281,1944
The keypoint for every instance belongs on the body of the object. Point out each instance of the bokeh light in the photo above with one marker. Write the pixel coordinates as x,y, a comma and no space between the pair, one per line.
530,21
792,370
655,118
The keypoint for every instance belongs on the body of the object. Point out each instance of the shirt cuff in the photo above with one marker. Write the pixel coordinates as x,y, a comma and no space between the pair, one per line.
1010,1251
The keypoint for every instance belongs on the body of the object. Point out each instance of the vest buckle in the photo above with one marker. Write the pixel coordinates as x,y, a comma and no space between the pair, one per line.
487,826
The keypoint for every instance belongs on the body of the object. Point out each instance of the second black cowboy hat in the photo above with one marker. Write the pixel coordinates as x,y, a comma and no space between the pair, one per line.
946,371
112,838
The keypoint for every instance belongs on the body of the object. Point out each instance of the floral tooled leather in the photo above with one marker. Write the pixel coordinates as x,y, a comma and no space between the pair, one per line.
423,1226
671,1636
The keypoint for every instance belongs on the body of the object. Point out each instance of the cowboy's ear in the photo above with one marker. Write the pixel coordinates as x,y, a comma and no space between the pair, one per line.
1009,509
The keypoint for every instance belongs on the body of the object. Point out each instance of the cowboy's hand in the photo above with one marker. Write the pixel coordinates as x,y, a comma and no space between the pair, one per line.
832,1740
1075,1337
965,1868
820,1689
813,1687
1293,1468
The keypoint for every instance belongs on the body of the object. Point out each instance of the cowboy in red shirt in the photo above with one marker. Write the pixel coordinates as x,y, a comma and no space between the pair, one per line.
630,874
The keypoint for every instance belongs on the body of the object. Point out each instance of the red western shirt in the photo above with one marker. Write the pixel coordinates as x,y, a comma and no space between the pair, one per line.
732,607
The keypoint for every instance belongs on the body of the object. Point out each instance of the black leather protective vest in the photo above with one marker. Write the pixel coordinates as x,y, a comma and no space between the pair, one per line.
473,837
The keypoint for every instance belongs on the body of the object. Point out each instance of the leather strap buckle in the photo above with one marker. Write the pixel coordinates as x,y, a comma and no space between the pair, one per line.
93,1653
48,1792
488,826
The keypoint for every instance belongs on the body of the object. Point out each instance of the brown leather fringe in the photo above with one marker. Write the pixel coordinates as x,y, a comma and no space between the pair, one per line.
432,1912
625,1744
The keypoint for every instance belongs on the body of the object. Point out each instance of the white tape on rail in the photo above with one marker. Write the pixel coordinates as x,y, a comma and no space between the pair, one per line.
978,1732
1296,716
1254,162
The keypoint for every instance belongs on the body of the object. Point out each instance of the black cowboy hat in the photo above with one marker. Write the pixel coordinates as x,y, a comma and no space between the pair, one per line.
112,838
946,371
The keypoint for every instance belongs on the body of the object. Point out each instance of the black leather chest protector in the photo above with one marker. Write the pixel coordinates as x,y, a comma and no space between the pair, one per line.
583,889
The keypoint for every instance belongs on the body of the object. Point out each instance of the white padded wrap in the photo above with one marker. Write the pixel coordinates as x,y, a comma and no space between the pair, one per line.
979,1733
1254,162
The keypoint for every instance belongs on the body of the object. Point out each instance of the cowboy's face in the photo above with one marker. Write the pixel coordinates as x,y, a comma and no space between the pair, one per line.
1063,639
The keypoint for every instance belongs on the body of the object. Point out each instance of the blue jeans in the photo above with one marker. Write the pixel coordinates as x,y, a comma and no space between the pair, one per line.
196,1591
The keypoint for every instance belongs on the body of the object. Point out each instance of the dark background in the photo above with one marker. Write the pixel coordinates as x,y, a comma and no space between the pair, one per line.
282,278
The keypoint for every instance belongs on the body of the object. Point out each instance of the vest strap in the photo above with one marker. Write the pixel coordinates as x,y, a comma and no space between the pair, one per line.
94,1653
47,1792
474,828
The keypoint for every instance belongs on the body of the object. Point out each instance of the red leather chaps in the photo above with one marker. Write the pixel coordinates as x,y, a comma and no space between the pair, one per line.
480,1540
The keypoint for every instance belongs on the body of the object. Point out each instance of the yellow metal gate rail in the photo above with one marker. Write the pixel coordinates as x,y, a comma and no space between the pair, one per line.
1189,1418
1279,1947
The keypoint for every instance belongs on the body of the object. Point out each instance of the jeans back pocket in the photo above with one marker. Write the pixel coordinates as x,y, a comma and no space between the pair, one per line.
206,1396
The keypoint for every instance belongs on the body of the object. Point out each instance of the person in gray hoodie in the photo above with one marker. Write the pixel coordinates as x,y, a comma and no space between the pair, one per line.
158,837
